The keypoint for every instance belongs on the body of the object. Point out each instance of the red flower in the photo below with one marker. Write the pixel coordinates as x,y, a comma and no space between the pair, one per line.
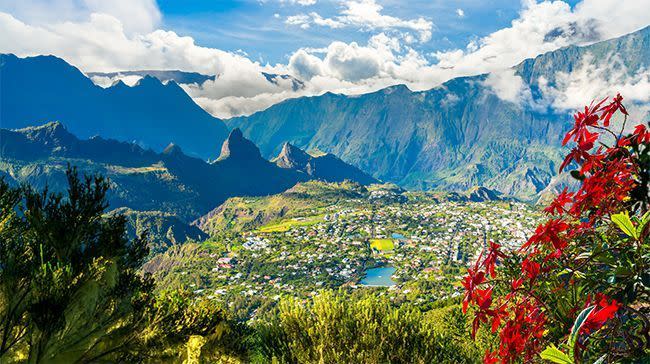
491,258
516,283
484,298
642,134
530,268
549,233
580,153
607,177
609,110
471,281
490,357
582,121
603,312
557,206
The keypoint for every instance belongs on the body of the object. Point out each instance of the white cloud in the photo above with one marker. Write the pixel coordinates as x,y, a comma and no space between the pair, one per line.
298,2
100,41
301,20
352,62
105,81
508,86
596,79
366,15
319,20
460,13
305,65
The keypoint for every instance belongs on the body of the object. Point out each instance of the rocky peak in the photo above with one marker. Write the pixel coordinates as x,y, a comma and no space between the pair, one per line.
236,146
172,150
292,157
481,194
53,133
148,81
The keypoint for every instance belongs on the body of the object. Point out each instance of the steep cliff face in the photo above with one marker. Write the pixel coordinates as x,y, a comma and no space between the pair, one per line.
455,136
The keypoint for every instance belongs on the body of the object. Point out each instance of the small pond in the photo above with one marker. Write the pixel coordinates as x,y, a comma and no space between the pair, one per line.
379,277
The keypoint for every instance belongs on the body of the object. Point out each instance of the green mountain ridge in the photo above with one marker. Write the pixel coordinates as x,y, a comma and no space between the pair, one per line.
141,179
314,198
455,136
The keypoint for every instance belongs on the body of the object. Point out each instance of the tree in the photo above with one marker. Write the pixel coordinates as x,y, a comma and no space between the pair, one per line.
582,281
71,289
69,286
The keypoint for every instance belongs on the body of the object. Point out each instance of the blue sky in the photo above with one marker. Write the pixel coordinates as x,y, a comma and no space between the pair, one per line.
250,25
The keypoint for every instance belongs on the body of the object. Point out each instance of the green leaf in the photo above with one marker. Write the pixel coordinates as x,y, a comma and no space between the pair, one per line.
601,360
577,175
580,320
553,354
566,271
623,221
577,325
643,222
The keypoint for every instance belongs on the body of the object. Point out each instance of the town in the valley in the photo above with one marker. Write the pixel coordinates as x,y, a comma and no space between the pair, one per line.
410,246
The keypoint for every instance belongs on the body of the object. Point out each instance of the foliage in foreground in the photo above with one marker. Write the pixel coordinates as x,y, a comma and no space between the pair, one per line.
579,290
344,328
70,290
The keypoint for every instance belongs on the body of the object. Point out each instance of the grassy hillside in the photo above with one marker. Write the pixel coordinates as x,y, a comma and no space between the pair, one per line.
308,198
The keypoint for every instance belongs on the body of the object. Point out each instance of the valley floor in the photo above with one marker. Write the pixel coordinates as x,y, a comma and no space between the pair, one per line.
429,241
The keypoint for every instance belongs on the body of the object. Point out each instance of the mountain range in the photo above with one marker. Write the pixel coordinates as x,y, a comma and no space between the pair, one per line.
179,77
184,78
36,90
144,180
159,192
455,136
461,134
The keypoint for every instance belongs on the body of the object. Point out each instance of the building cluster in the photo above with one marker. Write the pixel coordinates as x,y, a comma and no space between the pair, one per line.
432,243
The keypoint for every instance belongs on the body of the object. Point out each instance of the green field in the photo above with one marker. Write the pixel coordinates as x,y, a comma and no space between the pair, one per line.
382,244
286,225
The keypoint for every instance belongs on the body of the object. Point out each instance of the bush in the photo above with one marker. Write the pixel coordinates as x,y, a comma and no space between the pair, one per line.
340,328
582,281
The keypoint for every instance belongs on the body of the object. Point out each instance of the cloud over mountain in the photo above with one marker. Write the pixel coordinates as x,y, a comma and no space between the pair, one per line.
98,36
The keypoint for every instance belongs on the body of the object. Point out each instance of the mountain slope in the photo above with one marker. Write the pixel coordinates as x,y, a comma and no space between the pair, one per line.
455,136
239,213
324,166
163,229
141,179
40,89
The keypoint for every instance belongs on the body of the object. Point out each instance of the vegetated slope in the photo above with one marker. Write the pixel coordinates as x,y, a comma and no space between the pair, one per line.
313,198
455,136
307,198
163,229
